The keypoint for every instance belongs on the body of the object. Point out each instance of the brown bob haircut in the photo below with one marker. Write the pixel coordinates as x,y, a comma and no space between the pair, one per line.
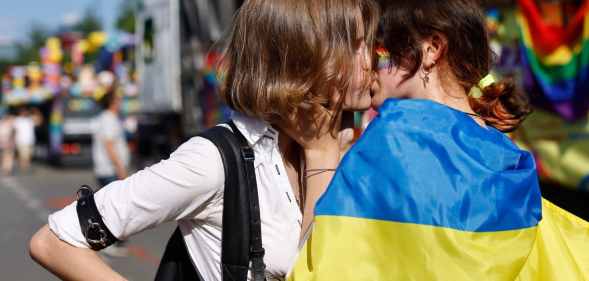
284,59
404,26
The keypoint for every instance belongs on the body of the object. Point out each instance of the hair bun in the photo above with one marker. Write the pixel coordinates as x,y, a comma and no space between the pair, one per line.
501,106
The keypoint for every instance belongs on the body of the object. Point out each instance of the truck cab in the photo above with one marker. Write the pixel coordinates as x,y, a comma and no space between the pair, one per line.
175,60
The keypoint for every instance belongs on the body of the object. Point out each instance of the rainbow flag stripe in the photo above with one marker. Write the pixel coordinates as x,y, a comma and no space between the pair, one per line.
556,61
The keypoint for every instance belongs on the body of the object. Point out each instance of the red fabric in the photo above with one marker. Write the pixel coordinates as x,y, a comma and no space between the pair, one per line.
547,38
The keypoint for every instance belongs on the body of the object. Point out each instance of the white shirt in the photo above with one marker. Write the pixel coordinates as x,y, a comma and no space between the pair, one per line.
107,126
188,188
24,128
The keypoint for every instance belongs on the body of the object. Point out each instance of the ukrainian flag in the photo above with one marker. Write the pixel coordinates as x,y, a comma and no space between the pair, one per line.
428,194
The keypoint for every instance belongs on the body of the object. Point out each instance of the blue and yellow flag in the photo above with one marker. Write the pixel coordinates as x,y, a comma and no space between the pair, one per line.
428,194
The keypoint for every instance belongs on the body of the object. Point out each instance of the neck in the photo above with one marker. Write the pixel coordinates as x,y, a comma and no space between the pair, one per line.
287,146
113,110
448,92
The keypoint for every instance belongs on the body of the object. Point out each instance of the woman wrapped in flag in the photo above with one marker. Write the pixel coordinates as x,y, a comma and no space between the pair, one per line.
434,190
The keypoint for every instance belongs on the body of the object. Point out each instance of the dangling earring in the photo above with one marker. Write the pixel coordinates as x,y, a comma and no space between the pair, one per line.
425,76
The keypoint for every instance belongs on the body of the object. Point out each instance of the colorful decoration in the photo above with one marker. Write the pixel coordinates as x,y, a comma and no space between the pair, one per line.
95,41
213,109
556,61
561,148
53,53
17,93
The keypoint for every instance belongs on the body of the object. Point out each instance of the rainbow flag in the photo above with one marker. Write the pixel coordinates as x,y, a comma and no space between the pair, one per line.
556,61
428,194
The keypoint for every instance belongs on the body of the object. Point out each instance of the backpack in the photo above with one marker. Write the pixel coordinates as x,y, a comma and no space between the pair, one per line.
242,237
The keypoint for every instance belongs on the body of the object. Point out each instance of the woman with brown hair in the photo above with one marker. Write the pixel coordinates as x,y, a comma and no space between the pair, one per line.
433,190
290,69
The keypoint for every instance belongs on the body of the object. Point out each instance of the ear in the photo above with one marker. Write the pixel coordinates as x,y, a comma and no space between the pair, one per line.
433,48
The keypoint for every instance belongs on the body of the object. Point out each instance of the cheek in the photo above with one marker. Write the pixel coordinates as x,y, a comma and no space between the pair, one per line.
391,82
359,96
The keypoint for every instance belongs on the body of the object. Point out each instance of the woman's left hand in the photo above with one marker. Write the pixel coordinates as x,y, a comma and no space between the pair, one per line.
321,141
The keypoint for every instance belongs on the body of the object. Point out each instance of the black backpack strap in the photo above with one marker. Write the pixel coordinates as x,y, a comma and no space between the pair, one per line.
241,238
256,249
235,243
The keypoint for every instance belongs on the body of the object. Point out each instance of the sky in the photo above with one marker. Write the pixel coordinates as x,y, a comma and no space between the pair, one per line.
16,16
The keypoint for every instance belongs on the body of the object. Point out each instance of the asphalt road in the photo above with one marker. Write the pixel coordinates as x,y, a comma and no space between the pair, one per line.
25,202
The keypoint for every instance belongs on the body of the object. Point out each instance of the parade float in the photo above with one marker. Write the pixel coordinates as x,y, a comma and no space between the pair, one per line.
65,86
176,64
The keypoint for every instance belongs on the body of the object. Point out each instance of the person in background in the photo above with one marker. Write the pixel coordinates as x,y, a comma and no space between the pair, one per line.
7,143
110,152
24,127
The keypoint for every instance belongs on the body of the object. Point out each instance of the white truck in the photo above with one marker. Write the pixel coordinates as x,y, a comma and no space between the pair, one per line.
175,36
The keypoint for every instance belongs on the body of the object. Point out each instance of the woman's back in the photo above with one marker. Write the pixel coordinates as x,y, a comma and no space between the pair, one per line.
429,194
24,127
423,162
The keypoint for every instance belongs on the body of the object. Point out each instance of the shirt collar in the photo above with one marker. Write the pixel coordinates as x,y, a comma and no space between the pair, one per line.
253,129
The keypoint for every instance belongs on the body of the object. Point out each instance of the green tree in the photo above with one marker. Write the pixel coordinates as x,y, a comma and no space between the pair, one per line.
89,23
126,18
4,65
29,51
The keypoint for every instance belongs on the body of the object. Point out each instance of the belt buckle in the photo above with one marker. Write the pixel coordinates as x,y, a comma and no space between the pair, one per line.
95,235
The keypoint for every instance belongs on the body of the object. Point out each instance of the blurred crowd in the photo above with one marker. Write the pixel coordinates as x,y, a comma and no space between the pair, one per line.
17,138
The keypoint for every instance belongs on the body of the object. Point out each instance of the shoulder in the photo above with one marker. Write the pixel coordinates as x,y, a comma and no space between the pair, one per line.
194,170
101,117
108,119
198,145
202,157
107,115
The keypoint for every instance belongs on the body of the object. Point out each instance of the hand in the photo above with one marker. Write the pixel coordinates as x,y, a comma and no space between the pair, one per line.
322,141
323,151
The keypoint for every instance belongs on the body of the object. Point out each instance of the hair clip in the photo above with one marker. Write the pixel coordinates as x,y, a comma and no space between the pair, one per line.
384,58
487,81
477,90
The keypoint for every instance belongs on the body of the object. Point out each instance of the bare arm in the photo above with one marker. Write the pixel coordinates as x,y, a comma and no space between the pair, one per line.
37,117
322,151
68,262
114,158
173,189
